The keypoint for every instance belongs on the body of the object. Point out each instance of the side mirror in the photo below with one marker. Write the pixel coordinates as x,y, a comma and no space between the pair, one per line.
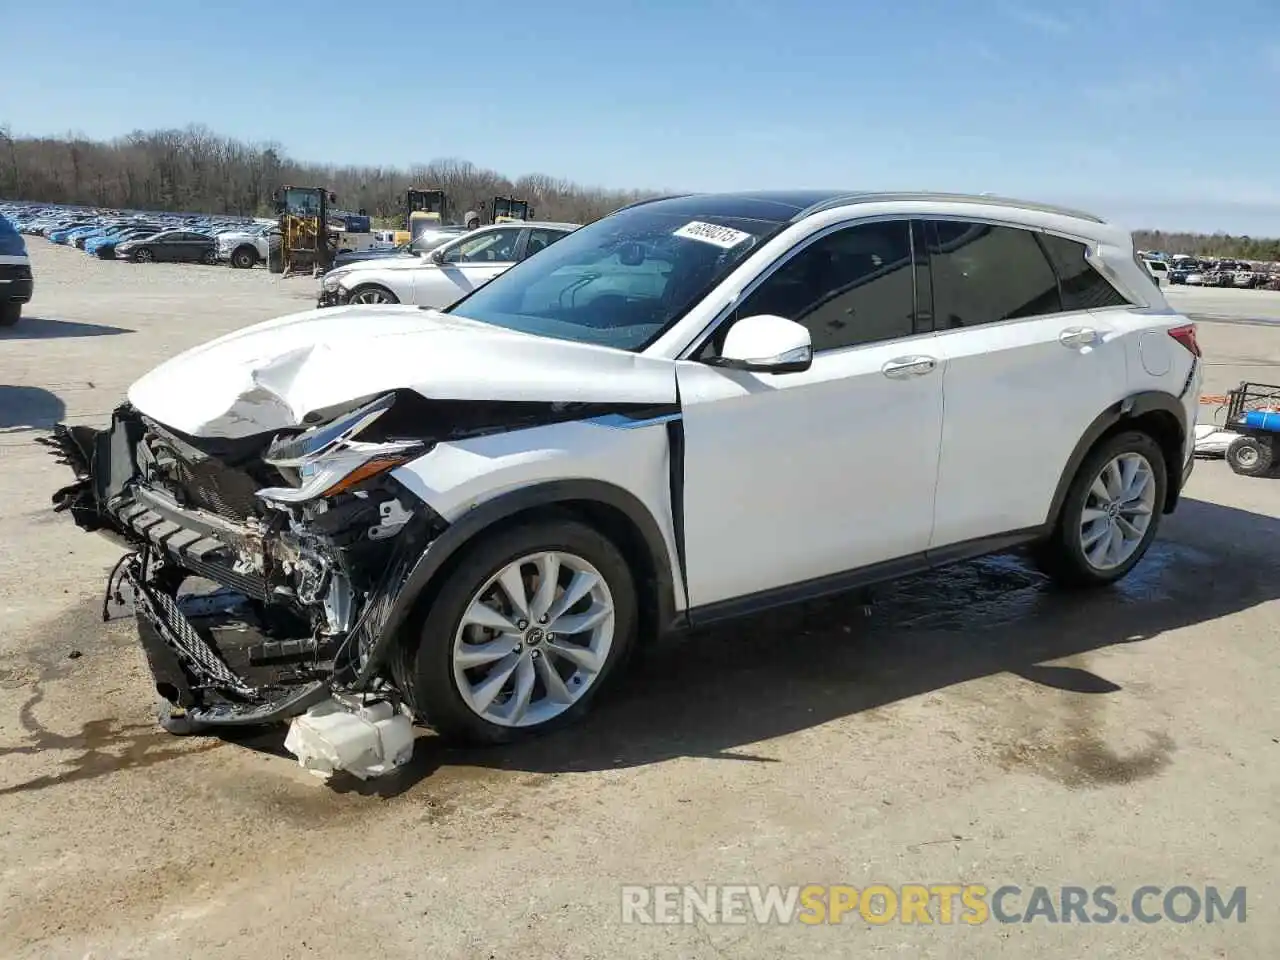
437,255
766,344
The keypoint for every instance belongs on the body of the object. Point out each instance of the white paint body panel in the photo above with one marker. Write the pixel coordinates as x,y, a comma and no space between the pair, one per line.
1018,401
789,477
458,476
269,376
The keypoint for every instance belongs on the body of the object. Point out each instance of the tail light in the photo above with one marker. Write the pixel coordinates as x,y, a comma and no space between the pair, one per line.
1186,335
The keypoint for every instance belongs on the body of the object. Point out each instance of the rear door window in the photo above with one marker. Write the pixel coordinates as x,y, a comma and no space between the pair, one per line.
983,273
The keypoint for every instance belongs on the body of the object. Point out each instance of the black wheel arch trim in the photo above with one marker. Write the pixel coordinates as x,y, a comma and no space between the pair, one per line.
1130,408
457,535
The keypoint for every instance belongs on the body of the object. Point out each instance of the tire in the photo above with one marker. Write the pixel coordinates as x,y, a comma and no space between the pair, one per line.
243,258
433,679
1069,556
372,294
275,256
1250,456
143,255
10,313
209,257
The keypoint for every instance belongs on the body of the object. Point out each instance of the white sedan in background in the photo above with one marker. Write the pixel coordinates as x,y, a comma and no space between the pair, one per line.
444,275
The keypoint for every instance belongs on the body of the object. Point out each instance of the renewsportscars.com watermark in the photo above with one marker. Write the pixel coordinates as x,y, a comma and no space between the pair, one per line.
969,904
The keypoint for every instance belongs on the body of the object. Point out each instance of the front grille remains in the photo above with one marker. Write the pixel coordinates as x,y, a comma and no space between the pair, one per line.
202,480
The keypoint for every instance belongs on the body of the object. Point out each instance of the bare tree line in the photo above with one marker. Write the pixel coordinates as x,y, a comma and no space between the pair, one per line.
1209,245
198,171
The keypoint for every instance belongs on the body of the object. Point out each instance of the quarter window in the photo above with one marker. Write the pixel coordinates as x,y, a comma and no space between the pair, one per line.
851,287
984,274
1083,287
540,239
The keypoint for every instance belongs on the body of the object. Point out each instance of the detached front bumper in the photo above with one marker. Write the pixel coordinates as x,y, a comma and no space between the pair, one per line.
284,630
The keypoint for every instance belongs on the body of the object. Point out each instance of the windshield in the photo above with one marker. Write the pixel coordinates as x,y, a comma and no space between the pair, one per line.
621,281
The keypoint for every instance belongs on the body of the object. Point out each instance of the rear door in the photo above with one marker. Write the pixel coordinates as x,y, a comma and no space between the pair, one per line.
1032,355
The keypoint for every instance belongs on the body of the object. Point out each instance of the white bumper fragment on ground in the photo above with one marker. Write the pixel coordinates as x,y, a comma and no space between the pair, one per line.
364,740
1212,440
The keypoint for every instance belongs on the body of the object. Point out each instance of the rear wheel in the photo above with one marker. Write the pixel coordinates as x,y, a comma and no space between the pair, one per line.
372,294
524,633
209,257
1110,515
10,313
1250,456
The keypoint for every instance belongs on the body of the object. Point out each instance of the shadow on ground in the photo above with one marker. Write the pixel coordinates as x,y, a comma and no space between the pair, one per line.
29,408
713,694
710,695
47,328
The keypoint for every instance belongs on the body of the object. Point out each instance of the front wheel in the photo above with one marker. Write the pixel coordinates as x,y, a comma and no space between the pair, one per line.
1250,456
1110,515
10,314
523,634
372,295
209,257
244,258
143,256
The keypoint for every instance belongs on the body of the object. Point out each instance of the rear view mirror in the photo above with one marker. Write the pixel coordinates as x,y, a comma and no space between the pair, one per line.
631,254
766,344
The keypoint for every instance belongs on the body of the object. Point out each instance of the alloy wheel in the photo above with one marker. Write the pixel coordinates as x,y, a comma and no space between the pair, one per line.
1117,511
371,295
534,639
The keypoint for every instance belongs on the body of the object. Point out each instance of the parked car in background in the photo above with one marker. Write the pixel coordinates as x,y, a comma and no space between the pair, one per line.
450,271
15,274
1180,269
172,246
1158,269
243,249
105,247
424,243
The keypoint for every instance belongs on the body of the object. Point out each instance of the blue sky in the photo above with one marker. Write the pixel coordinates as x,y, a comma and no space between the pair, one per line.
1155,112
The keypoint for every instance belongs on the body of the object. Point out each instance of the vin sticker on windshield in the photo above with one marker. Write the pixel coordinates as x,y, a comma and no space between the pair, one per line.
725,237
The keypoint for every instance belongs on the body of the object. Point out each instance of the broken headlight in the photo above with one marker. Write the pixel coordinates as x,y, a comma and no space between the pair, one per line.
328,460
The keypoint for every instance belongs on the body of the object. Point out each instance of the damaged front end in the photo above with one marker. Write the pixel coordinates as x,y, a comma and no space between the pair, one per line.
262,572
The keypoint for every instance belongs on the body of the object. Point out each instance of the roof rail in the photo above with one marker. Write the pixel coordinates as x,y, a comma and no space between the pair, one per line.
974,198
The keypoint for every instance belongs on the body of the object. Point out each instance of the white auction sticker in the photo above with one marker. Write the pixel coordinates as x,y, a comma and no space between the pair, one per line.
725,237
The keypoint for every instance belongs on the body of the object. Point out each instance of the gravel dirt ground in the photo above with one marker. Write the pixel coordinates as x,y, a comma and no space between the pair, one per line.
978,727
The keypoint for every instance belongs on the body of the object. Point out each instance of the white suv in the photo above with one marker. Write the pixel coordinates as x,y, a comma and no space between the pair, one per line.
440,275
695,408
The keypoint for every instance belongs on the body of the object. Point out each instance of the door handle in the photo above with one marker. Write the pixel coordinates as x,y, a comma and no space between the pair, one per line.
899,368
1077,336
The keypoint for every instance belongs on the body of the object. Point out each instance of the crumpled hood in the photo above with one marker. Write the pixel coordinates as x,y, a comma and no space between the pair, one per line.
270,376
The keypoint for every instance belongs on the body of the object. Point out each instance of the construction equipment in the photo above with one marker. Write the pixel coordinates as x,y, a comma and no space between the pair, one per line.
424,210
305,239
510,210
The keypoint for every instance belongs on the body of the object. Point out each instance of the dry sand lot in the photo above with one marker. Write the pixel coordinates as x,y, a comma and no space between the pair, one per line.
978,727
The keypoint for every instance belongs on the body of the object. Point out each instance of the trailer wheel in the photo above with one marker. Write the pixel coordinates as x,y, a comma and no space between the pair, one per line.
1250,456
